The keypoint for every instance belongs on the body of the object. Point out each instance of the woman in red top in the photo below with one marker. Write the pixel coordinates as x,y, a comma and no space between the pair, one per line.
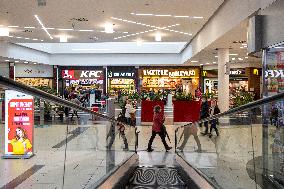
157,128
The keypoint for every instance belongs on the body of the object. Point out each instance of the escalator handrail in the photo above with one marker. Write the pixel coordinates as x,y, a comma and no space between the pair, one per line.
11,84
239,109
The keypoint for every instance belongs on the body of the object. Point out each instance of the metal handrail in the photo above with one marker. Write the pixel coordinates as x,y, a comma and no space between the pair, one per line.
239,109
9,83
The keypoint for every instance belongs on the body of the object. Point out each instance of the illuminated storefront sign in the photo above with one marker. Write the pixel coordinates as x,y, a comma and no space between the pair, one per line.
274,73
172,73
255,72
237,72
120,74
81,74
19,125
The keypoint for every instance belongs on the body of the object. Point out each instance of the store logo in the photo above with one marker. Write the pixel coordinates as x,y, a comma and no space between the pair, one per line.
171,74
255,72
68,74
204,73
274,73
90,74
236,72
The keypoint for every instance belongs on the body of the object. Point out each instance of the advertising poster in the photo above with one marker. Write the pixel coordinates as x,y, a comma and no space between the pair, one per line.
19,124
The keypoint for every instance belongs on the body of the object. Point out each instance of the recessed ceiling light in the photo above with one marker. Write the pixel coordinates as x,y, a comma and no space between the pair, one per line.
201,64
246,57
198,17
4,32
7,60
158,36
216,56
244,44
26,62
233,54
19,37
139,42
43,27
108,28
17,61
49,28
27,38
10,36
240,59
233,58
63,39
35,39
214,62
34,62
207,63
194,61
29,27
13,26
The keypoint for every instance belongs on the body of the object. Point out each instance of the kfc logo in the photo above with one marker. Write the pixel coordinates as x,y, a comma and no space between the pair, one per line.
68,74
90,74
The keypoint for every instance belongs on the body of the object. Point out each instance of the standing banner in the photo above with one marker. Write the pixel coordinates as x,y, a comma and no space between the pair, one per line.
19,124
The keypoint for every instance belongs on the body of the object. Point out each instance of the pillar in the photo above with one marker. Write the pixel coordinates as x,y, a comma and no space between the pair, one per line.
223,80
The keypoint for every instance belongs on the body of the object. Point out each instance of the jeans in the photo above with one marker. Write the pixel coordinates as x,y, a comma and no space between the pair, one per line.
162,136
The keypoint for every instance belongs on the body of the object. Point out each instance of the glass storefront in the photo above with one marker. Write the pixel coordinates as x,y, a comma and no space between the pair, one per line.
121,79
185,79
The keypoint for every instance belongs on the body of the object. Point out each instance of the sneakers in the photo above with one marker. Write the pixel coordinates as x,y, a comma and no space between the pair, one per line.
150,150
204,133
210,135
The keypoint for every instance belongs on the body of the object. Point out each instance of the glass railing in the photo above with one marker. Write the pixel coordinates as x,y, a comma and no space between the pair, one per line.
246,150
48,142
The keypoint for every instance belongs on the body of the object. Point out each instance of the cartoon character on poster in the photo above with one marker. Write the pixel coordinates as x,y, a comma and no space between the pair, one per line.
19,125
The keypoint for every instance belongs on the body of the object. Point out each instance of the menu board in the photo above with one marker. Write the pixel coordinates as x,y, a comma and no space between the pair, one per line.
19,125
161,82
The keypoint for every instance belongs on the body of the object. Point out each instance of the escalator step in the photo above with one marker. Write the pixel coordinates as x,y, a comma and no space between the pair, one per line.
156,177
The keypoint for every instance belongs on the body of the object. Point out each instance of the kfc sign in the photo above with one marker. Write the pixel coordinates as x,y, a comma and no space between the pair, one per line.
81,74
274,73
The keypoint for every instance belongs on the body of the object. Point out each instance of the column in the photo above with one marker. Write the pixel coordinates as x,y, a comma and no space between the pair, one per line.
12,71
223,80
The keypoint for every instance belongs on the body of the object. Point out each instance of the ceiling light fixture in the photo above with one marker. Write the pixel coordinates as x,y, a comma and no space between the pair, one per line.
26,62
144,14
63,38
163,15
158,36
198,17
13,26
240,59
194,61
29,27
214,62
109,28
246,57
233,54
7,60
17,61
4,32
233,58
139,42
35,39
181,16
43,27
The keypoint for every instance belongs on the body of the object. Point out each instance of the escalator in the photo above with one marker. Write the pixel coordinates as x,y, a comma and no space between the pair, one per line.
157,177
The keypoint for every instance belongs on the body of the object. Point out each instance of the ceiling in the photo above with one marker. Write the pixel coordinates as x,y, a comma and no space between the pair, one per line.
80,16
235,40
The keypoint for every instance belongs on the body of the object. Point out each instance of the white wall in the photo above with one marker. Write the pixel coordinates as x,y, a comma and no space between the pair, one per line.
33,70
14,51
114,59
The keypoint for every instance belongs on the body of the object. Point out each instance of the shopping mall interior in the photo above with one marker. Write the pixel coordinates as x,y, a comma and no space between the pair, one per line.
86,87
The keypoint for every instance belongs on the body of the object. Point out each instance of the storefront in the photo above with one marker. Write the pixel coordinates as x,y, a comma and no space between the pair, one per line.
174,78
122,79
82,77
35,75
247,79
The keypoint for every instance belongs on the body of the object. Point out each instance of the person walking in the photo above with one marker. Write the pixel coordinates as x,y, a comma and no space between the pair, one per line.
204,113
128,111
75,100
157,128
213,123
187,132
